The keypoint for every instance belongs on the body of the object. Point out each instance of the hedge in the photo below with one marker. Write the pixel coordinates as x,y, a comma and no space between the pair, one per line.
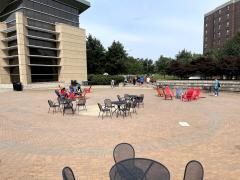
104,80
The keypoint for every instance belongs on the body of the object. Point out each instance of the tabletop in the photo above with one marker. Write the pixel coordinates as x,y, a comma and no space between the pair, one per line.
118,102
139,169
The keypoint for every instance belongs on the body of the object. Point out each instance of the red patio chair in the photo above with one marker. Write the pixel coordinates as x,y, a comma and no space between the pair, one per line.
196,94
159,92
168,93
188,95
71,95
87,90
83,94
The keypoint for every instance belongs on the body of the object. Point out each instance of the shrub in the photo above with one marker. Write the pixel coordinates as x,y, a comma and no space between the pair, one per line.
98,79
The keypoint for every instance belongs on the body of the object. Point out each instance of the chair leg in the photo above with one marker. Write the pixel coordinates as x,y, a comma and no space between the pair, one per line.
99,114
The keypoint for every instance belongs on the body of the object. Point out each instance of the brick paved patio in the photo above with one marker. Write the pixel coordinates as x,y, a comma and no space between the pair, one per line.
35,144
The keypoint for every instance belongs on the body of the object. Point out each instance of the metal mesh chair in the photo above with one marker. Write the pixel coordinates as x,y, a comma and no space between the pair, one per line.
104,111
139,169
127,109
123,151
68,105
81,102
134,105
193,171
68,174
108,104
53,106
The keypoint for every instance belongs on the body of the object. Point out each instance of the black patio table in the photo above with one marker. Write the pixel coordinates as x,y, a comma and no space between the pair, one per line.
139,169
119,104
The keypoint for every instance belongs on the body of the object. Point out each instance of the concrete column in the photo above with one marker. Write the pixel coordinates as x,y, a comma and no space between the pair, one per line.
73,56
24,61
4,72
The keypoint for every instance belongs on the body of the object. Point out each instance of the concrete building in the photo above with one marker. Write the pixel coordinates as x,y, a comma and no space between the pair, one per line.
40,41
221,24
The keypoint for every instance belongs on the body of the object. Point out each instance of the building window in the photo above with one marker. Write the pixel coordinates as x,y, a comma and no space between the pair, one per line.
228,32
219,26
220,11
206,32
219,34
219,19
206,25
228,7
227,16
227,24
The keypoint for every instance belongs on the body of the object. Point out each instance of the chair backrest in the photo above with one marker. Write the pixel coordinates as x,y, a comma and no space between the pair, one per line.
190,92
193,171
50,102
123,151
128,106
197,92
81,101
134,103
68,174
83,93
57,93
168,91
158,91
108,102
100,106
119,98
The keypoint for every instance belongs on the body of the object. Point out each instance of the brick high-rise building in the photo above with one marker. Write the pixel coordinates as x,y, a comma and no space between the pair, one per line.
221,24
40,40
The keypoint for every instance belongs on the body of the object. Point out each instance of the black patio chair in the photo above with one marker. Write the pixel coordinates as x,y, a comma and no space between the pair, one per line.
108,104
104,110
81,102
134,106
123,151
68,174
140,100
68,105
53,106
126,109
193,171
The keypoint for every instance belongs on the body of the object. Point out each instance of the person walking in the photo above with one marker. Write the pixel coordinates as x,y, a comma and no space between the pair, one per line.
216,87
112,83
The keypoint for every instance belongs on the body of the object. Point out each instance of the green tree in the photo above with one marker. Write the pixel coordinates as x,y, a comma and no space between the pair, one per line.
184,57
216,54
116,57
162,64
232,47
133,66
147,66
96,56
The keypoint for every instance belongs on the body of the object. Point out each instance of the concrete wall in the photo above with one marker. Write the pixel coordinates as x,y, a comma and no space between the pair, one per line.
4,72
72,47
24,69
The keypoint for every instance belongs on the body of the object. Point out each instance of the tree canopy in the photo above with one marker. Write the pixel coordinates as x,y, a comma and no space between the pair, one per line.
115,61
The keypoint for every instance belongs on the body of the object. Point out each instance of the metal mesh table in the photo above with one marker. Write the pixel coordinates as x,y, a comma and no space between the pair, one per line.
139,169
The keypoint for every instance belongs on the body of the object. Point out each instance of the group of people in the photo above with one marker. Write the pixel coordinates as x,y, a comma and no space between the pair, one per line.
73,89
